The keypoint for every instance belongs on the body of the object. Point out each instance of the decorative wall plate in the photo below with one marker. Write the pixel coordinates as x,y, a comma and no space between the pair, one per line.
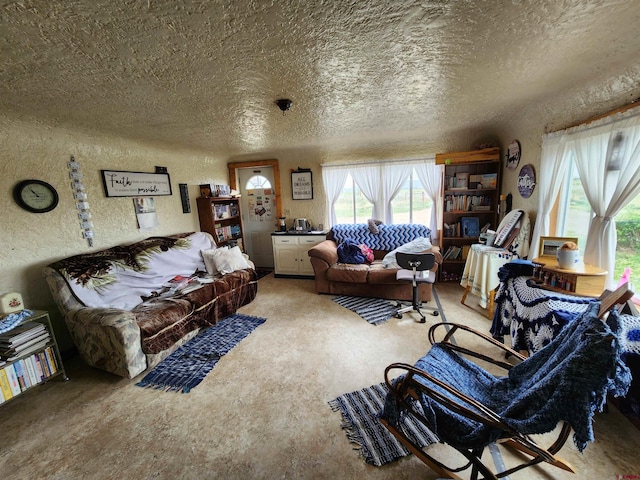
526,181
513,155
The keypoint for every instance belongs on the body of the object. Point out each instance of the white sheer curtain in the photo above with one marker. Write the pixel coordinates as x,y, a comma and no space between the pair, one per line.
607,156
333,179
394,175
553,168
367,177
430,176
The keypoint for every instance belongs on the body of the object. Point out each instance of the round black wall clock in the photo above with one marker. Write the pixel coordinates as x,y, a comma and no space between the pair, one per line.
35,196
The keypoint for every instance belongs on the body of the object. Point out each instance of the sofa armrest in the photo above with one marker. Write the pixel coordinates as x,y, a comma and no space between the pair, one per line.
436,251
108,338
326,251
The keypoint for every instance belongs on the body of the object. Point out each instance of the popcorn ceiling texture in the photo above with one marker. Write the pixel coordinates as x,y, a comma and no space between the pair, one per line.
191,86
361,74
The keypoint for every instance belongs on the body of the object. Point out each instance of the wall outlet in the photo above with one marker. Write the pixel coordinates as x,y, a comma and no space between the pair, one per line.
287,212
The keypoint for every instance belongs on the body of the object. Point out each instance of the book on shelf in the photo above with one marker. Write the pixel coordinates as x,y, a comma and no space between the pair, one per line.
489,180
4,385
452,253
13,379
470,226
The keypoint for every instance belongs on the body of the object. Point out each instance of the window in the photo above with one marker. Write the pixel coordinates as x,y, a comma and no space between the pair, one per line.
410,205
575,213
257,182
352,206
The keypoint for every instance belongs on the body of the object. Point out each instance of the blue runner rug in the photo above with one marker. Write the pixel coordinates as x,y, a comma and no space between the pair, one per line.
377,446
189,364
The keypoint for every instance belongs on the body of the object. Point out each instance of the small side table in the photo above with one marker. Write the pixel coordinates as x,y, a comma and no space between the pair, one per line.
480,275
584,280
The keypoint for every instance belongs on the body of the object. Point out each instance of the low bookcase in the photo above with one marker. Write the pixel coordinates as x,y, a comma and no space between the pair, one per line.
34,367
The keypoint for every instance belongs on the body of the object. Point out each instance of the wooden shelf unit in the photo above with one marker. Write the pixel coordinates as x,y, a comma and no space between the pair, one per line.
477,199
221,217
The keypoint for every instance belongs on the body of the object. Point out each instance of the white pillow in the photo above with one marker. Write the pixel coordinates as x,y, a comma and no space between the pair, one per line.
229,260
207,256
418,245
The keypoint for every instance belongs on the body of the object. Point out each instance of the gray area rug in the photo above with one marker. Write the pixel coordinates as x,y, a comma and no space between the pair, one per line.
377,311
374,310
376,445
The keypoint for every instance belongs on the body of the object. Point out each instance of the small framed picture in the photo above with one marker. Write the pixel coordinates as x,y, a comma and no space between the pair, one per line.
302,185
549,245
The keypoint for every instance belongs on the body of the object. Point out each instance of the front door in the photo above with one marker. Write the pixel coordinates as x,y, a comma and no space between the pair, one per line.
259,216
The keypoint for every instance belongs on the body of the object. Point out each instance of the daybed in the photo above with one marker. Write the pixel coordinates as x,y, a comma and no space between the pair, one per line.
378,278
114,306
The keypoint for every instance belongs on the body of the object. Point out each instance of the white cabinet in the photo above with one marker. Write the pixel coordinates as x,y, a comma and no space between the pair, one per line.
290,254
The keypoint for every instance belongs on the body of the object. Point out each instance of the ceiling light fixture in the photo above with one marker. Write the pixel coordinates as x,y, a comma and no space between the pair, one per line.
284,104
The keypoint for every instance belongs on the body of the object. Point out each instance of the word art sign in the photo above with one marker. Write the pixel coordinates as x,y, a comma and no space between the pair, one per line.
302,185
135,184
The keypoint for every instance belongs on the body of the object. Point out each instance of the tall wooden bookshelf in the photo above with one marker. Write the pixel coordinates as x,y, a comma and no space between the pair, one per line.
220,216
471,196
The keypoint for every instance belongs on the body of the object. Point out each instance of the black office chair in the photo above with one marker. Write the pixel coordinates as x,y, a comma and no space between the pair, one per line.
415,268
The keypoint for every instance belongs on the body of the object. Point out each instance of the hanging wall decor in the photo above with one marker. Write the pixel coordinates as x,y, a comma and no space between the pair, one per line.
302,184
513,155
526,181
82,203
135,184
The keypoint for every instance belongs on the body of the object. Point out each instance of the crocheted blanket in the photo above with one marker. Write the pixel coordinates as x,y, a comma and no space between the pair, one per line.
532,315
389,237
568,380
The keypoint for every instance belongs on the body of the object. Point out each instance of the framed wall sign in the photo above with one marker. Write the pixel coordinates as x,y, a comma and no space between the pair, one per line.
302,185
135,184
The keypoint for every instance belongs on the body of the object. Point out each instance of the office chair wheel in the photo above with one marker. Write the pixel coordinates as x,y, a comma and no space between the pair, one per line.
398,315
435,313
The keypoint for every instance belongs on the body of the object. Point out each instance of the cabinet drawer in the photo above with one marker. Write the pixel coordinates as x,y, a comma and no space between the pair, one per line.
285,240
310,241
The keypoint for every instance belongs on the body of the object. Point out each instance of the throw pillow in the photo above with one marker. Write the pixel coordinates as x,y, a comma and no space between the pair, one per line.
419,245
373,226
207,256
227,260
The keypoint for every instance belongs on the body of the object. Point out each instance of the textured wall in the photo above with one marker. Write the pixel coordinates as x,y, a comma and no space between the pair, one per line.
31,241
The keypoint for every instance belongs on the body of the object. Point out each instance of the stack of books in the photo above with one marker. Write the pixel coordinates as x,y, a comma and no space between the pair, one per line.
26,338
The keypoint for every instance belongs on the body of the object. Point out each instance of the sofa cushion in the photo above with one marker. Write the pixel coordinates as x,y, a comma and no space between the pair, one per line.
378,273
164,321
346,272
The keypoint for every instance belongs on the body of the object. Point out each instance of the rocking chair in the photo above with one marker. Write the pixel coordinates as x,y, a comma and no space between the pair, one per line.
469,409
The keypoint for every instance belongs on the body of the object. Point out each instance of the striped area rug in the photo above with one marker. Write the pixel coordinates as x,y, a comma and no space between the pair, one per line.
374,310
376,445
189,364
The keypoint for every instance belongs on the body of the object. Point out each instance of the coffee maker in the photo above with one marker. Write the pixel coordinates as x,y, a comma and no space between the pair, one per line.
282,225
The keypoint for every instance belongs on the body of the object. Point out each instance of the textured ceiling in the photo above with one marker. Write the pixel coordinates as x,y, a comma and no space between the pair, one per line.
205,75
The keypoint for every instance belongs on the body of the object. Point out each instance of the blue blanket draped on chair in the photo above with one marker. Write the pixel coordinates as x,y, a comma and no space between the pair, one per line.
568,380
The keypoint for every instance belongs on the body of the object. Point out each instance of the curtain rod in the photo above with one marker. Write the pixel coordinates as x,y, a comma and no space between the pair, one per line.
634,103
377,162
